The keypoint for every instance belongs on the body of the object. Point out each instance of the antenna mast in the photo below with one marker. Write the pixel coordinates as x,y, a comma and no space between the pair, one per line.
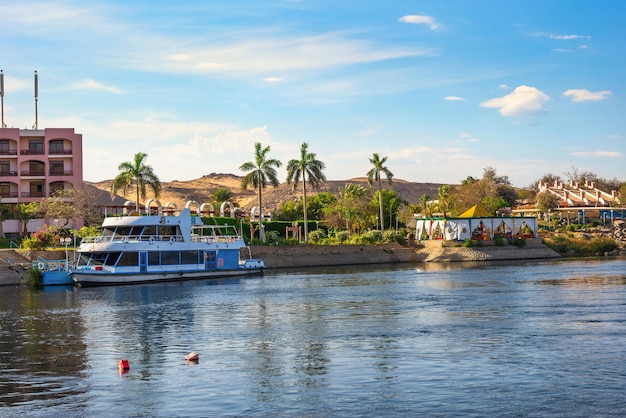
36,98
2,125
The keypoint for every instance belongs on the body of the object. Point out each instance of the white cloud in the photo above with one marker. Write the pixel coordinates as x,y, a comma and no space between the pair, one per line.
584,95
504,87
610,154
559,37
89,84
523,101
453,98
420,20
272,79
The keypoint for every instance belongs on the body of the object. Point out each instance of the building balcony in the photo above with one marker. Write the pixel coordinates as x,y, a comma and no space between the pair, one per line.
33,194
53,151
8,152
61,173
31,152
8,173
8,195
33,173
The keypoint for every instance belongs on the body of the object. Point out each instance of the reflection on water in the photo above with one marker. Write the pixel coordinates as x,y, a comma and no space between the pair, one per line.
481,339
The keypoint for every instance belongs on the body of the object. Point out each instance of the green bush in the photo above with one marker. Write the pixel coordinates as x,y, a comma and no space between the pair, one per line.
467,242
371,236
342,236
519,242
316,236
499,241
389,235
271,237
35,278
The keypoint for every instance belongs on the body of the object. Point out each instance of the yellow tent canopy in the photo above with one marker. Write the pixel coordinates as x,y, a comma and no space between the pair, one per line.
475,212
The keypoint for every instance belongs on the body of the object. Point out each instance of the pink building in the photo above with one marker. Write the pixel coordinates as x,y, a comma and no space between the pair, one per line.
35,163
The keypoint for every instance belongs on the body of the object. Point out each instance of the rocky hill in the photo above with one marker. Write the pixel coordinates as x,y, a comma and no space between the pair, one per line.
200,190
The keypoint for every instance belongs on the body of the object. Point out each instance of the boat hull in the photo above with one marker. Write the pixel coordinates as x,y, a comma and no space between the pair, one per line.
99,278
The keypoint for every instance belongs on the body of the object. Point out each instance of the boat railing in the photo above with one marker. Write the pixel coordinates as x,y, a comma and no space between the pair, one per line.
50,265
132,238
215,238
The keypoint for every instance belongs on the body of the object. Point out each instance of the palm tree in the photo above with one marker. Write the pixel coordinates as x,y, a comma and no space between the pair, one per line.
306,166
260,172
444,198
352,204
221,195
138,173
375,175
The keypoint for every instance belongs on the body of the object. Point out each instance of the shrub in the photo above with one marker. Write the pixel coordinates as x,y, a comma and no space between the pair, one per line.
342,236
35,278
271,237
316,236
499,241
520,242
389,235
467,242
371,236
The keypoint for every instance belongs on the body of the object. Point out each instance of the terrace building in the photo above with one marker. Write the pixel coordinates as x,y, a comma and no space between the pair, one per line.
36,163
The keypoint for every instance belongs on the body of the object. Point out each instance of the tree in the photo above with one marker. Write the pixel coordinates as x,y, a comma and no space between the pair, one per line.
221,195
24,212
307,166
261,171
547,201
375,175
351,207
444,199
425,206
140,175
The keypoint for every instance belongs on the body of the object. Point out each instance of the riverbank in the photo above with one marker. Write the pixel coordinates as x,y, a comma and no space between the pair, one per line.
336,255
14,265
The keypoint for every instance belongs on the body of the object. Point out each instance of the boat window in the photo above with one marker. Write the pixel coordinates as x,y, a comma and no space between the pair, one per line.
128,259
83,259
111,259
107,232
122,231
148,231
189,257
153,258
170,257
167,231
135,231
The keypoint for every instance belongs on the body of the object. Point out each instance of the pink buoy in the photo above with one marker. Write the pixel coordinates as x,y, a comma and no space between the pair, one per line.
193,356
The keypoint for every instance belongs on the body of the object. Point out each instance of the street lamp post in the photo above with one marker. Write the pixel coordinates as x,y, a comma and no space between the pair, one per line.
66,241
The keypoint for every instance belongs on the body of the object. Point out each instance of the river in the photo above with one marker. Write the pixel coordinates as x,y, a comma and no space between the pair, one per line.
493,339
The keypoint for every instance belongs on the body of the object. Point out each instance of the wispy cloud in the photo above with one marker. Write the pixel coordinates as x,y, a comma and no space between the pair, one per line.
584,95
523,101
89,84
559,37
610,154
453,98
420,20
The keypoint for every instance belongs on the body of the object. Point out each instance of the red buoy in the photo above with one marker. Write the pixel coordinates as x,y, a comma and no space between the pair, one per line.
193,356
123,365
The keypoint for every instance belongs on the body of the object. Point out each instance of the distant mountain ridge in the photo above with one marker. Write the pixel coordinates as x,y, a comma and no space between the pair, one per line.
200,190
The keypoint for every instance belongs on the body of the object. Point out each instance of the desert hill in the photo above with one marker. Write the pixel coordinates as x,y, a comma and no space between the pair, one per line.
200,190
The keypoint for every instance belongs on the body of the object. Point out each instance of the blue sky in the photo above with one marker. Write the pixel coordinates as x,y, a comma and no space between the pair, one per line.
442,88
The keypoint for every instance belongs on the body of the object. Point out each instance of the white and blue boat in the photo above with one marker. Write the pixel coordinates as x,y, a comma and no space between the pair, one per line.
140,249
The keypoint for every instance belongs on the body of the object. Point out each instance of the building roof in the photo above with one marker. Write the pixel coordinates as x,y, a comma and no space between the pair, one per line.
476,212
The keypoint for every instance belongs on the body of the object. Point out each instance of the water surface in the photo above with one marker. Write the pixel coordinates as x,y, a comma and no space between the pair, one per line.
525,339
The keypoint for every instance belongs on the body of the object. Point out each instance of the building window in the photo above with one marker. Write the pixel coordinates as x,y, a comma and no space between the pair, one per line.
5,168
36,189
35,146
56,168
5,189
4,147
56,146
36,168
